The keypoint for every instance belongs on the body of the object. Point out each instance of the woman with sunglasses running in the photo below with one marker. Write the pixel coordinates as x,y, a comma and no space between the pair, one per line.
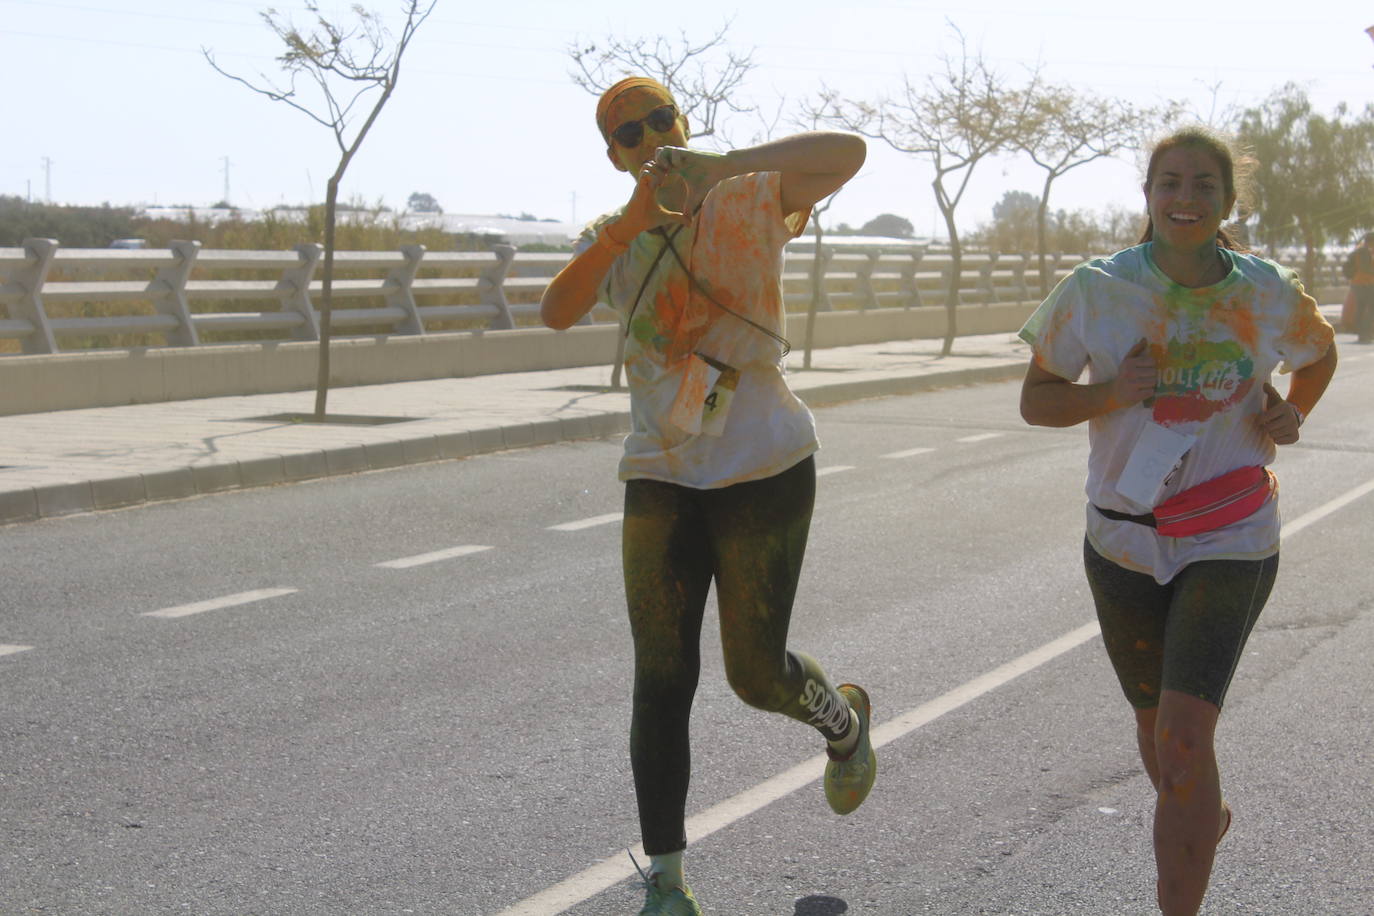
718,465
1179,336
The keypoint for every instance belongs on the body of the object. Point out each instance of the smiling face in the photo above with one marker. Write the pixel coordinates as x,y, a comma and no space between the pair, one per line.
1187,197
634,105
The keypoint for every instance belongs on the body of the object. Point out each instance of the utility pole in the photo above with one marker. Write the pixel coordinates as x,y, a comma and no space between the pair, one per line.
47,179
225,159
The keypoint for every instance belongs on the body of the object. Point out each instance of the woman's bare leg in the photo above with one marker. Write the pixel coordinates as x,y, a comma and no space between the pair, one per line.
1188,803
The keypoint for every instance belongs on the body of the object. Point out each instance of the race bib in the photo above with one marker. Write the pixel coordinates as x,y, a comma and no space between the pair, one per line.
697,381
703,399
1157,453
717,404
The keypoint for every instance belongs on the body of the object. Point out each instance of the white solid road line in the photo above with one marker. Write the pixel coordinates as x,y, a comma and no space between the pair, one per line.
616,868
981,437
908,453
592,881
1322,511
215,604
833,469
11,650
587,522
434,557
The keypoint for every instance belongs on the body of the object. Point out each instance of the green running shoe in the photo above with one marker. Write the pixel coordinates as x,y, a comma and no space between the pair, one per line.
677,901
848,779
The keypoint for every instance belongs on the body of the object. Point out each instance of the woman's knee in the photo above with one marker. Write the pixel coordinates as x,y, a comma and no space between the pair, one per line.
761,686
1183,744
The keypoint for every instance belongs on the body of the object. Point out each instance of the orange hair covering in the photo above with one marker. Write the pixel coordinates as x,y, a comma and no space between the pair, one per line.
603,105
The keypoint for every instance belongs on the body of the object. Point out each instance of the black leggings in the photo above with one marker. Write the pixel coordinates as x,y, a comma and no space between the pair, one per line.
750,538
1187,635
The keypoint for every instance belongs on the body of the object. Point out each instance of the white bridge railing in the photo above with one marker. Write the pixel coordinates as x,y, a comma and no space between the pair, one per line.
54,299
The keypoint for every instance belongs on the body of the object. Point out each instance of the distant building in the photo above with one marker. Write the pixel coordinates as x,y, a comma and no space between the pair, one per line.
508,229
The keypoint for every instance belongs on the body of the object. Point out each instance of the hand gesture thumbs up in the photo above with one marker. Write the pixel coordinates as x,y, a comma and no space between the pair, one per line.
1136,376
1280,418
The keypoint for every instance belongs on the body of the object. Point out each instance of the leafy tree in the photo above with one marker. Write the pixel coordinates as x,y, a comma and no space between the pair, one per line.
1315,178
421,202
888,224
1086,232
703,77
956,119
344,63
1013,226
1069,129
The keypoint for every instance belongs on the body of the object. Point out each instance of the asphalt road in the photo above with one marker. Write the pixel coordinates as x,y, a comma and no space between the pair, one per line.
407,692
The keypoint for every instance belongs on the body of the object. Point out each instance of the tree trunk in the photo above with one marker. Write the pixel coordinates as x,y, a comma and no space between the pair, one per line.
331,201
956,266
1309,264
816,280
1041,217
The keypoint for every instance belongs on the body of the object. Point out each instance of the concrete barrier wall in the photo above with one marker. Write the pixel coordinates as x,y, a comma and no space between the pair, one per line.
104,378
868,296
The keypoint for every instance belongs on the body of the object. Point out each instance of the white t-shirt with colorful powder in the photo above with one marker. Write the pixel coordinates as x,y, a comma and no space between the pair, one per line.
734,249
1215,347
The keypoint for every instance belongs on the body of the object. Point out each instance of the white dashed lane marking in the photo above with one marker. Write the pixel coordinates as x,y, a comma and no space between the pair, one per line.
981,437
214,604
908,453
11,650
587,522
834,469
433,557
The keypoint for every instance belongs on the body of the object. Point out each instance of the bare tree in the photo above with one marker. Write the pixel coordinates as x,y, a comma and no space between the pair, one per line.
340,65
703,77
1068,129
955,119
817,274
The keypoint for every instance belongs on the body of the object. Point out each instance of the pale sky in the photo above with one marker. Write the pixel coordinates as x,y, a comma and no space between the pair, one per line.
112,101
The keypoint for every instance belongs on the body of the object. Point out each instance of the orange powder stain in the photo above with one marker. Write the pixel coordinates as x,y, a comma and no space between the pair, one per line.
1239,319
681,324
1307,323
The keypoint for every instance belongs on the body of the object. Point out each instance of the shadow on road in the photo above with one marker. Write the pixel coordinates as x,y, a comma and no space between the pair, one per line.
820,905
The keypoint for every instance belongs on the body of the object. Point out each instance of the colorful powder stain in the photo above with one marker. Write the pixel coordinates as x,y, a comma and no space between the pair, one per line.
1198,379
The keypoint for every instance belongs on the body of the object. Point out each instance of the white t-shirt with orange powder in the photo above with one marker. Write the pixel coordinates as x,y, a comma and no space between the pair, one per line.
1214,348
734,249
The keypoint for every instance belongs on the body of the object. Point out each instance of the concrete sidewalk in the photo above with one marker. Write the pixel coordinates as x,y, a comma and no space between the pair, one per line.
103,458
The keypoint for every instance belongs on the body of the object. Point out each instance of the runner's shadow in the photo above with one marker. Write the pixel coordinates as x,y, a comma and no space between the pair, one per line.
820,905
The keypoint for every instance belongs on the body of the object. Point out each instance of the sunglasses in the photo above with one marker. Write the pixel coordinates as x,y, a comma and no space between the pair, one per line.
631,133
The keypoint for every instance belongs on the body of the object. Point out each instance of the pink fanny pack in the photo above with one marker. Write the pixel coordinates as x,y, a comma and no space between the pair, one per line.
1210,505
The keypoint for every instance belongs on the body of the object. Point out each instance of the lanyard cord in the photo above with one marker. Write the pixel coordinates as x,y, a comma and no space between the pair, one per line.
668,242
691,278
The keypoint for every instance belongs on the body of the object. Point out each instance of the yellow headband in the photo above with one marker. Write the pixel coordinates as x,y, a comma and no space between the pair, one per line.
611,94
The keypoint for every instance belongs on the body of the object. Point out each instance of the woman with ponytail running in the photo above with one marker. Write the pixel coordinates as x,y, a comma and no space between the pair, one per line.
1180,336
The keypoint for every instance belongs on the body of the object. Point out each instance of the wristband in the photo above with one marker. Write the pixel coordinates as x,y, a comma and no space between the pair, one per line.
1297,412
606,240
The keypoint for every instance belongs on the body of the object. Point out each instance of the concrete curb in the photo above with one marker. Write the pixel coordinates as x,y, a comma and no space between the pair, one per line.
28,504
840,392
